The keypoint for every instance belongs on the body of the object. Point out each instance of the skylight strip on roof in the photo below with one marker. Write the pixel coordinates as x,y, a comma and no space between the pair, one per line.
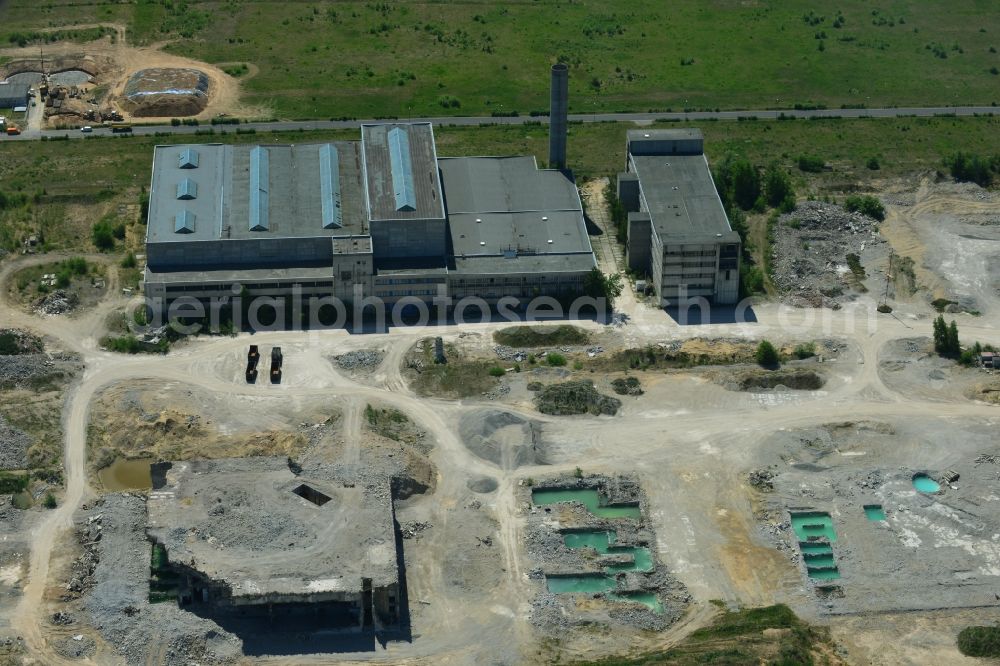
259,189
329,184
402,169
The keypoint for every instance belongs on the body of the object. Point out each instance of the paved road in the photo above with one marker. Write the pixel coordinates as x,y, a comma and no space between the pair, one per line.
638,118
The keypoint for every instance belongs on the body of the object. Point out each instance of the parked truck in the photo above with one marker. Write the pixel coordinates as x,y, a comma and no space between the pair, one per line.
276,365
253,357
13,130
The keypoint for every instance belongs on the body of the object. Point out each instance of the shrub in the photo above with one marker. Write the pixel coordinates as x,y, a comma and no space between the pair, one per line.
129,261
777,186
103,235
497,371
767,355
979,641
811,163
578,473
866,205
873,164
966,167
555,360
805,350
50,501
8,344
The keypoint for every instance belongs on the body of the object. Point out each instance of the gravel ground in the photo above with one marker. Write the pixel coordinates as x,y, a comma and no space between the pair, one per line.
811,245
28,370
364,359
118,604
14,445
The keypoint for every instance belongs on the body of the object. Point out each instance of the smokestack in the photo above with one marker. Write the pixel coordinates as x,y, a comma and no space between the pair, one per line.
558,109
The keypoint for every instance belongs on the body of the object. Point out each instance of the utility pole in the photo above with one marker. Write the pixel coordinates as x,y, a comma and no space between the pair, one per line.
888,276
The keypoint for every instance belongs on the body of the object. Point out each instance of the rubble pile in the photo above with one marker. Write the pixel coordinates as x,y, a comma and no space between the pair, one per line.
57,303
364,359
811,245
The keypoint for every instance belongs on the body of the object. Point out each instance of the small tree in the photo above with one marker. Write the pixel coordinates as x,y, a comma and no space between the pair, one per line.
746,184
767,355
598,285
777,186
946,342
103,235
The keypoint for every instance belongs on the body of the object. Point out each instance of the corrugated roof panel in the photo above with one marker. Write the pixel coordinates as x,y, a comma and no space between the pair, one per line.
187,189
188,159
402,169
329,185
184,222
258,189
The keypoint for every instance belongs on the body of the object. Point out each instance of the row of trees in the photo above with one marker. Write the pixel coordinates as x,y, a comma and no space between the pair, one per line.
739,182
966,167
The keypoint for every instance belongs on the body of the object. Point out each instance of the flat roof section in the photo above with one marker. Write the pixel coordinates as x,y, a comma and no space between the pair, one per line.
269,534
253,192
504,184
401,173
680,197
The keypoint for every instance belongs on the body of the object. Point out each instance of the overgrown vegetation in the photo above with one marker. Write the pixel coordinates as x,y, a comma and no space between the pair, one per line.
541,336
946,341
979,642
600,286
967,167
458,378
575,397
866,205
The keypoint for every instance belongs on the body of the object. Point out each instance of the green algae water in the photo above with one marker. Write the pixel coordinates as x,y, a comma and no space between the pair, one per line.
585,583
831,573
589,497
814,524
814,547
925,484
603,543
647,599
874,512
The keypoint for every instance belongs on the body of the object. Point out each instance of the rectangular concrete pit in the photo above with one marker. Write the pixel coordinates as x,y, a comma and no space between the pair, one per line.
250,538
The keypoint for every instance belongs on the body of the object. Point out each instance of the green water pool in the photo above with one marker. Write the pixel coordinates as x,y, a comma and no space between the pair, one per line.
814,547
819,561
925,484
584,583
816,524
603,543
647,599
831,573
874,512
589,497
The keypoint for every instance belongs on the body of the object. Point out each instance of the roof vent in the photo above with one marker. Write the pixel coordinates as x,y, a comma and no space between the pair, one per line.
482,242
187,189
188,159
184,222
402,170
478,220
550,241
646,136
544,218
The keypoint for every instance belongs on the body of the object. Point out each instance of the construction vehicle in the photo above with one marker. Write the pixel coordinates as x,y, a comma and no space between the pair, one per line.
13,130
276,365
253,356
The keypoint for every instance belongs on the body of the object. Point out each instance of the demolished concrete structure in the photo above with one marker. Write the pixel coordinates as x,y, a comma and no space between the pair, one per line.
249,537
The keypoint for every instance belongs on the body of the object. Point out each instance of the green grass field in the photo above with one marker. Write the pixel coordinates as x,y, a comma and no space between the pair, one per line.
417,58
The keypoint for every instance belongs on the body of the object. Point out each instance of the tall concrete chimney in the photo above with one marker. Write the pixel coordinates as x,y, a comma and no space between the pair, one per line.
558,109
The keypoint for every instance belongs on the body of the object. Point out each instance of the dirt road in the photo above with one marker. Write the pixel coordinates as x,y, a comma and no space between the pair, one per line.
697,440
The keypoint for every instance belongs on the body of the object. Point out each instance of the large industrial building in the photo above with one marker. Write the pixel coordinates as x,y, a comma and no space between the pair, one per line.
678,232
14,95
251,538
382,217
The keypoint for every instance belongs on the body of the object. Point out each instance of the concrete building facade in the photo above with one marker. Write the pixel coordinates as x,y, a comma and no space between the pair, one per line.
382,217
678,232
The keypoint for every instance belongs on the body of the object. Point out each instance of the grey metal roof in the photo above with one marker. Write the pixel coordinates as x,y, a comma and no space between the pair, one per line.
504,214
295,194
13,94
495,184
381,183
680,197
